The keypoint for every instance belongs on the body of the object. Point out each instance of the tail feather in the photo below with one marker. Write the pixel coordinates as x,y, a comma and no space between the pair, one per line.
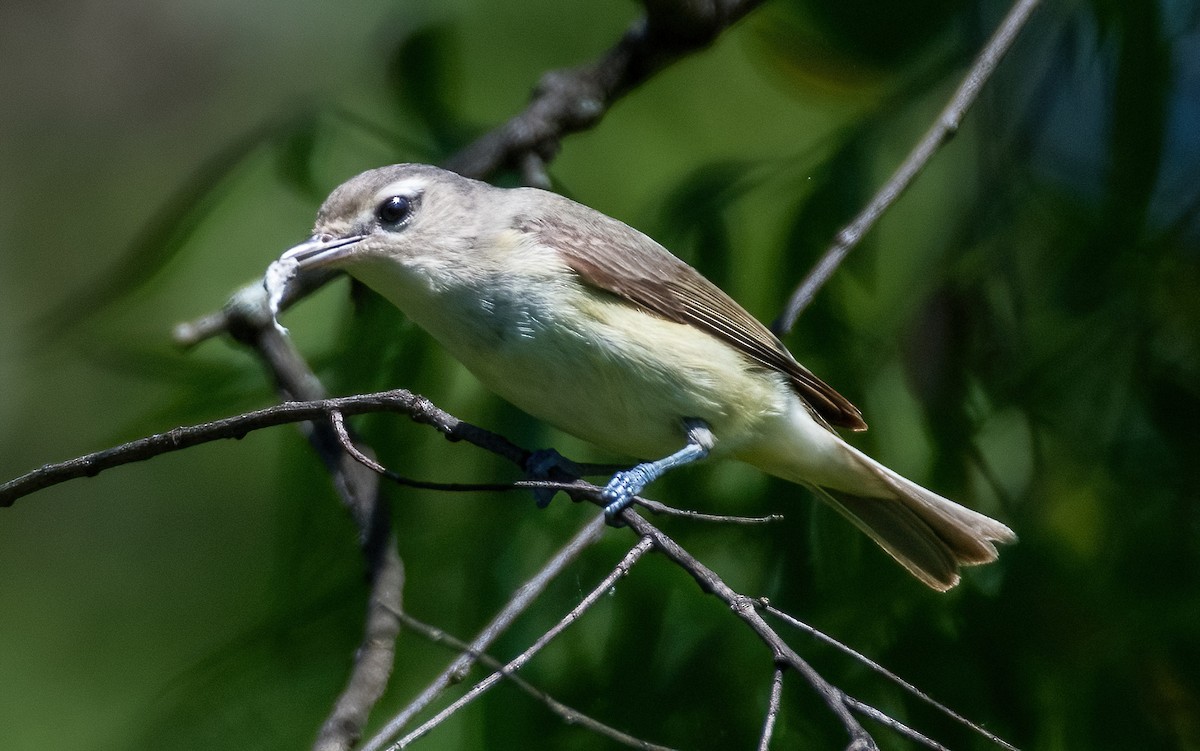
929,535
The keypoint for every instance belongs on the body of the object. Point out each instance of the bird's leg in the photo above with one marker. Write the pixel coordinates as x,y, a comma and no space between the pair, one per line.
548,464
626,484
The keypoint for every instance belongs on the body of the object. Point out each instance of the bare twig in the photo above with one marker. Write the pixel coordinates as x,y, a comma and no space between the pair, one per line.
247,310
744,608
401,401
568,715
877,668
521,599
764,741
899,727
943,129
520,660
662,509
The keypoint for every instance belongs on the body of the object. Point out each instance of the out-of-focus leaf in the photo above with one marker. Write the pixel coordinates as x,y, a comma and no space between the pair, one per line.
832,191
838,47
165,234
884,34
1141,93
695,218
423,76
294,157
196,388
244,690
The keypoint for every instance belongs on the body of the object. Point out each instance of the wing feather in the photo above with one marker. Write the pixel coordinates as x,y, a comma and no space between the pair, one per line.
612,256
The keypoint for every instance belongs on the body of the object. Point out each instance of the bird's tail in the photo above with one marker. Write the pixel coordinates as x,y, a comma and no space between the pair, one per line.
929,535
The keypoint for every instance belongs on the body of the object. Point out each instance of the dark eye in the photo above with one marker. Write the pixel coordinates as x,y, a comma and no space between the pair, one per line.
394,210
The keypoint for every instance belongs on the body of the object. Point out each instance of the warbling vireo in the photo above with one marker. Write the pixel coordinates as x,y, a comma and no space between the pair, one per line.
590,325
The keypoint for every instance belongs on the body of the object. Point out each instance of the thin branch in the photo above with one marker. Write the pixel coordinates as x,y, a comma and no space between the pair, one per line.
744,608
568,715
400,401
520,601
943,129
764,741
879,669
899,727
574,488
662,509
518,662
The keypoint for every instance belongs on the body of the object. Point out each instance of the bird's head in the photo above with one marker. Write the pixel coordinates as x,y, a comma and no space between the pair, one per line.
397,211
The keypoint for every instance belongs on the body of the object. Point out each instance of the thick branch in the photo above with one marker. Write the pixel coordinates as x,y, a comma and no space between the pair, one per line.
574,99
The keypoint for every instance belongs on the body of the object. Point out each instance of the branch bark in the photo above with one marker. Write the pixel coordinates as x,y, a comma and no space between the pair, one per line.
573,99
568,715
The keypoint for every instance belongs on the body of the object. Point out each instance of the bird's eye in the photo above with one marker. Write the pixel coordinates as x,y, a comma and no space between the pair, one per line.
394,210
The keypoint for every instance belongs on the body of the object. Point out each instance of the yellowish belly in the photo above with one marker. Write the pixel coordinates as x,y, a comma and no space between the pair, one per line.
625,380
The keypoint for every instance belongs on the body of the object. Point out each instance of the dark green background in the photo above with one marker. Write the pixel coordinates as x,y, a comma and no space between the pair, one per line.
1020,331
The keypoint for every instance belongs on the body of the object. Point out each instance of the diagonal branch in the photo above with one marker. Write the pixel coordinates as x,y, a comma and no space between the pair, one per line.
574,99
521,600
942,130
881,670
600,590
568,715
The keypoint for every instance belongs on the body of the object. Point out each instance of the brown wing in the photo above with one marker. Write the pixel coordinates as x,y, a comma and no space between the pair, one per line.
632,266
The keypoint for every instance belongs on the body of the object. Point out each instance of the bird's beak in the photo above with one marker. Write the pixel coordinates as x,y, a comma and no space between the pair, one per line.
320,251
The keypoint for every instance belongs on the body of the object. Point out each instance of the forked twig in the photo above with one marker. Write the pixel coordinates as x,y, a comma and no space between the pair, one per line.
569,715
520,601
744,608
881,670
518,662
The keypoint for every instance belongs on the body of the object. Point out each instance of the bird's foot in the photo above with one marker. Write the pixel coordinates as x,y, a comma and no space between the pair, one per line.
548,464
621,490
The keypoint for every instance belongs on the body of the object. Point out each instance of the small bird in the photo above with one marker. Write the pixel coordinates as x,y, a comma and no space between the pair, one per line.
593,327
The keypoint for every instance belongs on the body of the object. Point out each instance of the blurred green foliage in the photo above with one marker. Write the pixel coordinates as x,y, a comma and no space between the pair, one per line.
1021,332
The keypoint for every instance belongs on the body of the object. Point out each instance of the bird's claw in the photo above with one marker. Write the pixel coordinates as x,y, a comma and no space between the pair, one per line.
542,465
620,492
